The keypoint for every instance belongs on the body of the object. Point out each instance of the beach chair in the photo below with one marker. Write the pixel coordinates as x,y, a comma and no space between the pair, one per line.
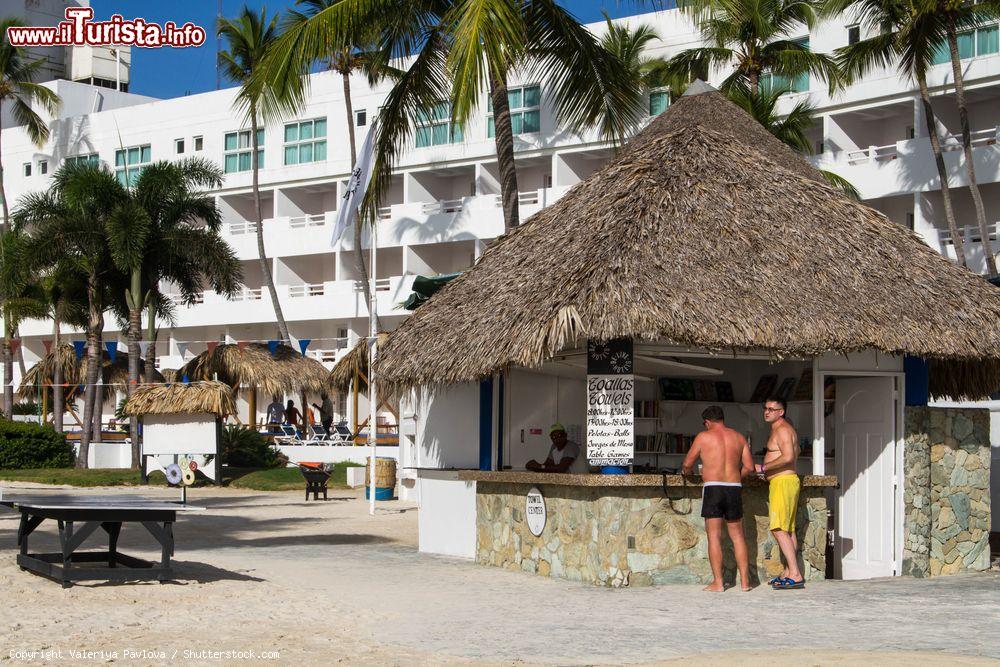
341,434
289,436
318,436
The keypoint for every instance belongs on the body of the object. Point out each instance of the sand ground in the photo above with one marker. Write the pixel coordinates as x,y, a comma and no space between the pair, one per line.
270,577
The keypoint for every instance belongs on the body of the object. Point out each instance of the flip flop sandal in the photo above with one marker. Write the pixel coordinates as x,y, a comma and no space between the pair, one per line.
788,584
774,581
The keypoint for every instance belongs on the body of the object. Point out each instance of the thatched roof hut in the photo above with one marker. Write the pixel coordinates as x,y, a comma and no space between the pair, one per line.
114,374
254,366
192,398
352,364
707,232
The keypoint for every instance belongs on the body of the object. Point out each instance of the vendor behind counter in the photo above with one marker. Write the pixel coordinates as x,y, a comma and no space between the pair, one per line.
564,455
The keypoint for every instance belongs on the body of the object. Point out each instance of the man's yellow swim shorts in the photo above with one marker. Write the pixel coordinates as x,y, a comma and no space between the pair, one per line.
783,497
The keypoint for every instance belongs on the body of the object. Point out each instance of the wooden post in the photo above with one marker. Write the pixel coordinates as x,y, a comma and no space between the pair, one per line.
252,403
45,401
354,415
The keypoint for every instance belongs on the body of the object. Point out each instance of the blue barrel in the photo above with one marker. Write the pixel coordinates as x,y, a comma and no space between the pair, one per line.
381,493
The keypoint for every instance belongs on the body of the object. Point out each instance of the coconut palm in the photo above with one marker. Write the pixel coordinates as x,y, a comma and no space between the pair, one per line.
964,16
168,230
907,39
69,223
21,299
456,51
65,295
751,37
247,38
344,60
18,92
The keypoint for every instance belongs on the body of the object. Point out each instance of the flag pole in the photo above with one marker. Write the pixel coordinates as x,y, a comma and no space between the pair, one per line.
372,354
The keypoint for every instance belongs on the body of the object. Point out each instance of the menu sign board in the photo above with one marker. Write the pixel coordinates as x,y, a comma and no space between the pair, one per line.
610,406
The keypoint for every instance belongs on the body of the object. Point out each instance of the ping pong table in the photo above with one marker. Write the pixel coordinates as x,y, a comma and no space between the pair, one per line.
93,512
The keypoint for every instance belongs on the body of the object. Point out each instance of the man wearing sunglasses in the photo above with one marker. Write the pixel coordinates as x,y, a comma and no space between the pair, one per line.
783,493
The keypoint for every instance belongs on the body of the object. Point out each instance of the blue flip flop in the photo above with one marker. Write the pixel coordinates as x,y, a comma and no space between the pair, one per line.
787,584
774,581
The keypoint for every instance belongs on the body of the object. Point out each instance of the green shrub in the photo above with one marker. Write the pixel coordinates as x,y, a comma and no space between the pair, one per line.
27,445
244,447
26,408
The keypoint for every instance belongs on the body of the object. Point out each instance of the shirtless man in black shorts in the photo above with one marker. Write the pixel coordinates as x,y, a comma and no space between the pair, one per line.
725,461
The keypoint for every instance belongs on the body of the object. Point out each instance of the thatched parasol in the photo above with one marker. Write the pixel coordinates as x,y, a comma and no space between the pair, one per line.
170,375
114,374
707,232
254,366
351,365
192,398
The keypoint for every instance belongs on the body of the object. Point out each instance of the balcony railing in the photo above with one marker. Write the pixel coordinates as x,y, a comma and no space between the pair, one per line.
306,289
384,213
178,299
443,206
971,234
242,227
873,154
951,142
312,220
381,285
330,352
249,294
529,198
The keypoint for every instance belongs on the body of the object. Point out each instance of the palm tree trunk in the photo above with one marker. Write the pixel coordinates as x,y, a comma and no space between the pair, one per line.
932,134
95,324
505,151
3,190
58,393
359,252
754,80
265,268
151,337
970,167
8,376
134,334
20,353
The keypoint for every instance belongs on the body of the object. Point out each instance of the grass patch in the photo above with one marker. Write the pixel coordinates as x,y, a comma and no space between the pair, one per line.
270,479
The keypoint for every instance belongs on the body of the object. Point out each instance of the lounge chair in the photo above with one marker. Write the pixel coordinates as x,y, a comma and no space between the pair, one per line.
289,436
319,436
341,434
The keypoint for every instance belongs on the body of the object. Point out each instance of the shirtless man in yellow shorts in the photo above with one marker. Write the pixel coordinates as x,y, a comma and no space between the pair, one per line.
783,496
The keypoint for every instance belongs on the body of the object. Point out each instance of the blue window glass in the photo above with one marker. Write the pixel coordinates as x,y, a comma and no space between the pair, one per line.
987,41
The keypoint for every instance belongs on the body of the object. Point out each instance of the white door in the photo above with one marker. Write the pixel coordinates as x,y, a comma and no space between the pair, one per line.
866,508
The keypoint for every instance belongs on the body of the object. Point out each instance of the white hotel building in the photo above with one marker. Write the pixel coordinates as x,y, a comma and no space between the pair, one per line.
443,208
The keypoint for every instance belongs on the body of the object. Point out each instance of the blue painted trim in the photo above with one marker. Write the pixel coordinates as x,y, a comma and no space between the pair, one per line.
500,390
917,374
485,424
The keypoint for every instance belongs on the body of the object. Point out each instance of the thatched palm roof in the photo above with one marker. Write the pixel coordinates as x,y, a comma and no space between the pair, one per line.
255,366
192,398
114,374
704,236
354,362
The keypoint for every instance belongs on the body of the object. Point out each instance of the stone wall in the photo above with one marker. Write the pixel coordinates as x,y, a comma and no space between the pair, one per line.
633,536
946,491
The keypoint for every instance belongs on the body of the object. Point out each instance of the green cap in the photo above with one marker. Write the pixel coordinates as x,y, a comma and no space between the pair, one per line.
557,427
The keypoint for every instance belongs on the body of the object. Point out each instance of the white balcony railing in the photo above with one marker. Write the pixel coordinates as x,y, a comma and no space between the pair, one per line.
242,227
178,299
873,154
381,285
529,198
970,234
384,213
443,206
986,137
951,142
312,220
249,294
306,289
331,351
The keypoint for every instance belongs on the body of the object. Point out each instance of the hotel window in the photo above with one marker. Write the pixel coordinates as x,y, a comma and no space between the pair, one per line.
305,141
361,117
179,146
983,41
435,127
90,159
43,167
525,111
129,163
238,151
27,169
853,34
794,84
199,143
659,100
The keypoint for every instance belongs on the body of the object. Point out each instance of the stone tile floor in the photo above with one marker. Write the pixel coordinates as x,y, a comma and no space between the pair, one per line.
324,582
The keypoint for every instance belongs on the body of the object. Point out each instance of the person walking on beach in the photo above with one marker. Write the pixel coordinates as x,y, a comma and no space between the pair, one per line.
325,411
783,493
275,414
292,414
725,461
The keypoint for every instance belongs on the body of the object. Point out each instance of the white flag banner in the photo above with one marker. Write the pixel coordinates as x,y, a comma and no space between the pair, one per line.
357,186
143,346
182,348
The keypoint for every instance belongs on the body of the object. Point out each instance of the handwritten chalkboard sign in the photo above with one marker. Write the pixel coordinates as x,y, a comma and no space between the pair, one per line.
610,402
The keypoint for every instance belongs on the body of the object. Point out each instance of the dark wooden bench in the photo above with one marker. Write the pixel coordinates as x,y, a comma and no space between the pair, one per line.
316,481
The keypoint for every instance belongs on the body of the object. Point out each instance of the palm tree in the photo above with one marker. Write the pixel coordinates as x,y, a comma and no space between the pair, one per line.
458,50
66,298
248,36
21,299
751,37
18,92
965,16
906,39
69,223
169,231
344,61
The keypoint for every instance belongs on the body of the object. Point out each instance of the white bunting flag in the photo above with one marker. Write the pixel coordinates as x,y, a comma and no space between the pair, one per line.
182,348
143,346
357,186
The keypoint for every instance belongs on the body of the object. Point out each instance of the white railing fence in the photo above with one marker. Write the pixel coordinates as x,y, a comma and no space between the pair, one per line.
970,234
242,227
311,220
306,289
249,294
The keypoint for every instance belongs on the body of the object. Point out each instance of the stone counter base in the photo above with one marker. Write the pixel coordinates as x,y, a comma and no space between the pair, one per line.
634,536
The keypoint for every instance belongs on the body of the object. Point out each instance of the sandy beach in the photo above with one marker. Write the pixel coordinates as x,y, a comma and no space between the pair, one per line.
269,577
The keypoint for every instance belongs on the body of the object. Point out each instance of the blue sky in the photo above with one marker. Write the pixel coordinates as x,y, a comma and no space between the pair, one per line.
167,72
